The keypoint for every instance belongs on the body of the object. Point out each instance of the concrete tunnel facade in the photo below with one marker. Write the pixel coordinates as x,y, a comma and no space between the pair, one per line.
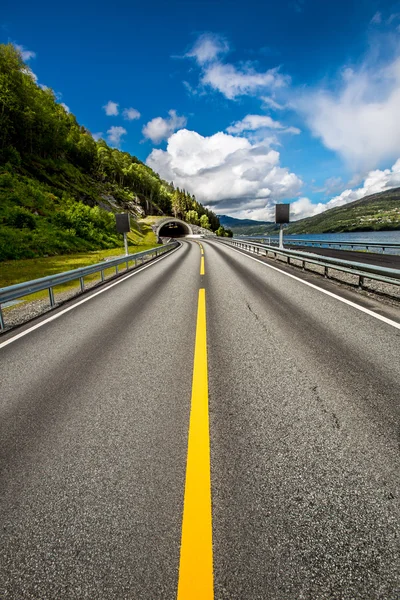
173,228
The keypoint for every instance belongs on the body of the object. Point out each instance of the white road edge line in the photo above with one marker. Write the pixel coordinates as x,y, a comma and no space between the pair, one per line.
315,287
65,310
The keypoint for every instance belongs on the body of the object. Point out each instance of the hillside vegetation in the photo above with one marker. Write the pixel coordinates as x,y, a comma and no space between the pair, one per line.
245,226
378,212
59,187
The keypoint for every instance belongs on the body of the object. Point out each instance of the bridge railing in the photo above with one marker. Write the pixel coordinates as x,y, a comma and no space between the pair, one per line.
19,290
339,244
362,270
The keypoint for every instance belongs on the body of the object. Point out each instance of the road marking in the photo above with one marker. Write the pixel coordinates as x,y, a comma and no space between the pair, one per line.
315,287
202,265
196,581
65,310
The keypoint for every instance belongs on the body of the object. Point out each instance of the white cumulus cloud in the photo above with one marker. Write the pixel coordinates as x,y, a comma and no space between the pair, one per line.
115,135
28,71
299,209
130,114
25,54
271,103
233,81
97,136
111,108
255,122
208,47
377,18
376,181
65,107
159,129
360,120
228,173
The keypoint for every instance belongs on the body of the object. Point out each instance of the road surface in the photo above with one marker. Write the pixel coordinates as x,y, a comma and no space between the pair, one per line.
390,261
243,395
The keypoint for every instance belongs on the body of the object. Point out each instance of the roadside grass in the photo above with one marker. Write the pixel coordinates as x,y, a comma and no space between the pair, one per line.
17,271
151,219
140,238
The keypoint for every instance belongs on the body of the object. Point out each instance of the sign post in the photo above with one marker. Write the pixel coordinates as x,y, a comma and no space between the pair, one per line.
123,226
281,218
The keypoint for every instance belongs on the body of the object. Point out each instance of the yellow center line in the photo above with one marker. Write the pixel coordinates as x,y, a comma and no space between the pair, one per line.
202,265
196,581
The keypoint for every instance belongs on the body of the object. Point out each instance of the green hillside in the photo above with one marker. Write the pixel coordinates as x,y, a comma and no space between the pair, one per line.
245,226
378,212
59,188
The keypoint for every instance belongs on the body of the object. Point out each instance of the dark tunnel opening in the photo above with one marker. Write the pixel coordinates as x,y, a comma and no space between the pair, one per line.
173,230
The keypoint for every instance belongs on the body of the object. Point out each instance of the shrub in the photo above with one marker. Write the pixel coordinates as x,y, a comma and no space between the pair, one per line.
21,218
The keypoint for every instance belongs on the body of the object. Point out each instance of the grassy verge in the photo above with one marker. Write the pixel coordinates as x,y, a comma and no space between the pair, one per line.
17,271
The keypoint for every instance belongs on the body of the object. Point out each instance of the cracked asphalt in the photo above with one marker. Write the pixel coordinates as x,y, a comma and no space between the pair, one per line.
304,415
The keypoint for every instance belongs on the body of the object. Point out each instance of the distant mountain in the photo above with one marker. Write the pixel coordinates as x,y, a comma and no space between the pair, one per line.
377,212
232,222
245,226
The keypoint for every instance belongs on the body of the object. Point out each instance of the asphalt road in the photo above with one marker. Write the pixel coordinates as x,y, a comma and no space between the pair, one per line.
390,261
303,410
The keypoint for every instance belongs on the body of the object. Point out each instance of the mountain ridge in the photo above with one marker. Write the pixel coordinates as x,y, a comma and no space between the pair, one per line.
375,212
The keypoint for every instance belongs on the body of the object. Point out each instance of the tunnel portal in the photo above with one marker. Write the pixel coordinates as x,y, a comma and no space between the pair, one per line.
174,229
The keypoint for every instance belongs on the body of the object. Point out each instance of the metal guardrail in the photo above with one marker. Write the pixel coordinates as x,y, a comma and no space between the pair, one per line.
299,242
362,270
19,290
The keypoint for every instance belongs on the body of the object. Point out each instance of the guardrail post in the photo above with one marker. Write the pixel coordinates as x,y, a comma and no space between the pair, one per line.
102,275
326,272
51,296
127,265
360,282
2,325
82,284
116,269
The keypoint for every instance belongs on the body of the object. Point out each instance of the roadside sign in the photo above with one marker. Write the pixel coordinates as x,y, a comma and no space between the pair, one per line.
123,226
122,222
282,213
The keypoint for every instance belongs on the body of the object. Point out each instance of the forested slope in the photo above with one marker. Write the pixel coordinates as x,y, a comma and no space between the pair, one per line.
377,212
59,187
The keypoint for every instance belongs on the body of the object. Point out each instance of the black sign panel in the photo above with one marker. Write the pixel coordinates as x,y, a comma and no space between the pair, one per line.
282,213
122,222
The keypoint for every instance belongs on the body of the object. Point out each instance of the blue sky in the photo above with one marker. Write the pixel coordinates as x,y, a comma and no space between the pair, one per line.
242,103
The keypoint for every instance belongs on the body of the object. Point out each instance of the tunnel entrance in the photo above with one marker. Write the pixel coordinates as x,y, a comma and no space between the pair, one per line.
174,229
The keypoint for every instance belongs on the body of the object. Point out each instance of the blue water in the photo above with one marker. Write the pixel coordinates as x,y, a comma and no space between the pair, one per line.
380,237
